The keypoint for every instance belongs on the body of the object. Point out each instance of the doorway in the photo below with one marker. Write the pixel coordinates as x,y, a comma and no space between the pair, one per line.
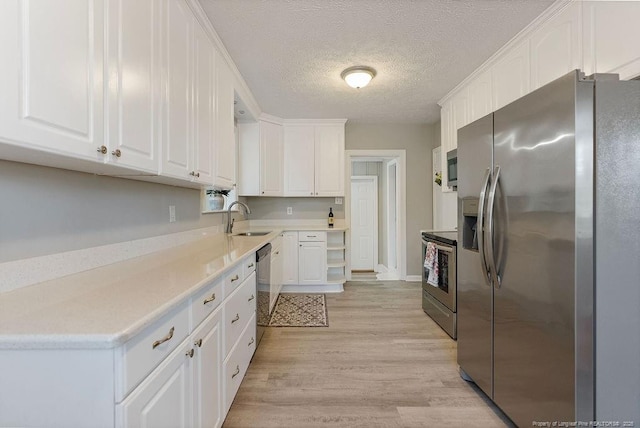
388,248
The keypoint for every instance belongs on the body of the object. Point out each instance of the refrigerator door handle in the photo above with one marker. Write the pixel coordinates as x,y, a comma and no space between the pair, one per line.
490,249
483,256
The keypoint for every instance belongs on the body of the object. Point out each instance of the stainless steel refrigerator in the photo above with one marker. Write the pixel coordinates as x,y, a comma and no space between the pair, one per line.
549,254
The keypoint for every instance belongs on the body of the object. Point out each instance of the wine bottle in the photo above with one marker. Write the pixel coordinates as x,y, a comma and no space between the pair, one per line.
330,217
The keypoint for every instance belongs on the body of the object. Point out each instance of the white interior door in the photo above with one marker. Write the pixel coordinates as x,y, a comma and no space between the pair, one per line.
364,222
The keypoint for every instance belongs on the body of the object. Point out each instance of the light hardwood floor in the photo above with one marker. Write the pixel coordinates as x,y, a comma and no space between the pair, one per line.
382,362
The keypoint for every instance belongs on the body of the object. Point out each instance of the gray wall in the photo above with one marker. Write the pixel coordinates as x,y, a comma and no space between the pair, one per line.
47,210
417,140
303,208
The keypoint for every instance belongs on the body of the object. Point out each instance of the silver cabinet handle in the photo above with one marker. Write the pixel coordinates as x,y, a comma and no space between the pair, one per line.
164,339
190,353
251,298
492,257
236,372
102,149
311,236
480,228
117,153
235,319
251,342
250,266
210,299
198,343
235,278
277,252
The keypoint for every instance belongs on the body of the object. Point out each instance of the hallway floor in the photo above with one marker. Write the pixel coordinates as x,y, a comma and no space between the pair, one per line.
382,362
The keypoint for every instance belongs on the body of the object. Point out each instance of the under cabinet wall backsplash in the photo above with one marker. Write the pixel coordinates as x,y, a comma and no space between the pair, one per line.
48,210
302,208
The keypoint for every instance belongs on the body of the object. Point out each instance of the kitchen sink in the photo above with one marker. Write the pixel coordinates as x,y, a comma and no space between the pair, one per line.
253,233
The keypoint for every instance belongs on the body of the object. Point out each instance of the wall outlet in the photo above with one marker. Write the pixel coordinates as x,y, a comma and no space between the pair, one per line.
172,213
289,210
338,201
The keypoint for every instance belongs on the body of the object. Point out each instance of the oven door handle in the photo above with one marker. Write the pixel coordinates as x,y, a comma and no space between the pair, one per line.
439,247
480,225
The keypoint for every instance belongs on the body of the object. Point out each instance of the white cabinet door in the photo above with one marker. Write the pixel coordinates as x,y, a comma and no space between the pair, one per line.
312,258
447,140
177,50
459,115
290,258
276,277
299,155
225,152
611,32
510,76
480,97
207,372
556,46
329,160
164,398
204,107
249,159
271,159
134,95
51,78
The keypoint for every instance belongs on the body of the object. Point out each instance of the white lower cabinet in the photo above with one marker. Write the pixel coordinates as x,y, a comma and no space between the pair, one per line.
275,280
237,363
312,258
164,399
290,258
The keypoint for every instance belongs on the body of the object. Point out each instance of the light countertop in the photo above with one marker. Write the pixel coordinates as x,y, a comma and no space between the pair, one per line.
106,306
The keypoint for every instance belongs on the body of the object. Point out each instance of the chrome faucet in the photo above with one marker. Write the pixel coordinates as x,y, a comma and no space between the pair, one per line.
229,219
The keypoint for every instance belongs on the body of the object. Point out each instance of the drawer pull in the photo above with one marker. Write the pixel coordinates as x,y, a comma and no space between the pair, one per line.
235,319
311,236
250,266
277,252
210,299
236,372
235,278
190,353
198,343
251,298
251,342
164,339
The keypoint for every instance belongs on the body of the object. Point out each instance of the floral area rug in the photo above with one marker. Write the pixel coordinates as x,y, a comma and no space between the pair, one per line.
300,310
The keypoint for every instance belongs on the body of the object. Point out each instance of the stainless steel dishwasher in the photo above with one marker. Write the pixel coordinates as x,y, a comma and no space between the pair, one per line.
263,274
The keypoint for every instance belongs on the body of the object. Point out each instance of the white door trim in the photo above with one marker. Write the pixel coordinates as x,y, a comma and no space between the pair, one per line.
390,256
375,214
401,183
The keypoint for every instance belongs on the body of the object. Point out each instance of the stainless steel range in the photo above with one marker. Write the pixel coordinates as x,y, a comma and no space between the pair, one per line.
439,291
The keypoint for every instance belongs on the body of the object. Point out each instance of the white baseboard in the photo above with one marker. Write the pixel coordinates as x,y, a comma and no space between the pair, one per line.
381,269
319,288
414,278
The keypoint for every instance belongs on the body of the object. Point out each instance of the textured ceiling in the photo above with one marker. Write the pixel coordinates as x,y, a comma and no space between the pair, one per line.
291,52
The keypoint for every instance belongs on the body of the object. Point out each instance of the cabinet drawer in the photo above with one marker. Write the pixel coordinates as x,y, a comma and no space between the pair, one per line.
205,301
146,350
312,236
233,279
248,265
237,311
236,365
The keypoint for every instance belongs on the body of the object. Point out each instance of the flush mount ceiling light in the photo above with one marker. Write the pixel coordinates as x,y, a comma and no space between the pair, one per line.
359,76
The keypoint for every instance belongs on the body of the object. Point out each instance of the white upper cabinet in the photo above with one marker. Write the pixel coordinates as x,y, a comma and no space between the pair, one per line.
556,47
225,153
204,129
510,79
249,159
611,34
299,155
176,137
271,159
134,95
447,140
314,159
480,100
329,160
51,78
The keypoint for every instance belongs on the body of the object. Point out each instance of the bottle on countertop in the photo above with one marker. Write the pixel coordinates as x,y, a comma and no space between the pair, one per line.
330,217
